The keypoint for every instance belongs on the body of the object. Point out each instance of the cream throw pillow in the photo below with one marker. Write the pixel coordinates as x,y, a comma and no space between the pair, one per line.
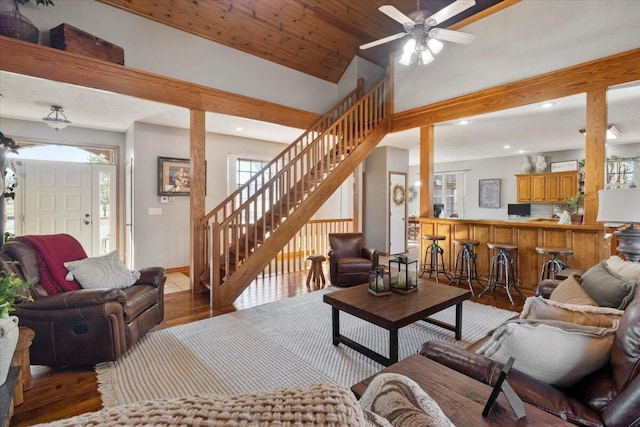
102,272
627,269
556,353
538,308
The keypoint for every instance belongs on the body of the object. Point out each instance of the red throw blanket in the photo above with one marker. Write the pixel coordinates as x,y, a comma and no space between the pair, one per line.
53,251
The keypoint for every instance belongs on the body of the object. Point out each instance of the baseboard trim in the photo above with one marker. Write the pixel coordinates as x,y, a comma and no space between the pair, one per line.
183,270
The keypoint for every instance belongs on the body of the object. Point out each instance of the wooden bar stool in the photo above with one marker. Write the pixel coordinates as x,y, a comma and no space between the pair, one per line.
433,262
553,265
504,269
315,271
465,267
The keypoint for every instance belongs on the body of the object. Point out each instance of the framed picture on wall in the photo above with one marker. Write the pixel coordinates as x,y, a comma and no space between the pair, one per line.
174,177
489,193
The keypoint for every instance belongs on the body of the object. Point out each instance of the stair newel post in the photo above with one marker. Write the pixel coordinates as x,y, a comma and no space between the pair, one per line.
214,261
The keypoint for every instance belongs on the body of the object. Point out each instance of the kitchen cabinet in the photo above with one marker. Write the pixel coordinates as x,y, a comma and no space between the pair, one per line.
549,187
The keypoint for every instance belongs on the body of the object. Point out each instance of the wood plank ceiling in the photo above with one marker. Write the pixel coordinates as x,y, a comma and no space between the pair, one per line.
316,37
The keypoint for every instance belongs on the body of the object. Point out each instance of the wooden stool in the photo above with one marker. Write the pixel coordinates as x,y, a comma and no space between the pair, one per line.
21,359
504,269
465,268
553,265
315,271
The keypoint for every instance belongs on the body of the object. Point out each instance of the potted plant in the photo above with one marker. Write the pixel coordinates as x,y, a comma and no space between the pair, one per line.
576,203
11,288
14,24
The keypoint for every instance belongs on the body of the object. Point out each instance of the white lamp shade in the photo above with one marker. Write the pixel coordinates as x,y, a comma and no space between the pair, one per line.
620,205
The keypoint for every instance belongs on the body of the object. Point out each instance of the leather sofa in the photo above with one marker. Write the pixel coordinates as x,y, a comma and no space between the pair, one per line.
608,397
349,261
85,326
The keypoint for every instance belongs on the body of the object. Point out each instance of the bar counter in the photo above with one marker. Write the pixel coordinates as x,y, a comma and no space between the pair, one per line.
590,243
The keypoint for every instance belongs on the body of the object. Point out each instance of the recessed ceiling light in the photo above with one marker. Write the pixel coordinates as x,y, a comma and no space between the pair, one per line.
464,122
239,129
547,105
506,147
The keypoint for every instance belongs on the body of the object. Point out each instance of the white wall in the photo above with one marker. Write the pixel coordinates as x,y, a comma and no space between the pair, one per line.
523,40
164,239
377,166
163,50
505,169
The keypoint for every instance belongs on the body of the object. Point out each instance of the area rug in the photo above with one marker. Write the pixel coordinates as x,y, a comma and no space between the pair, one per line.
285,343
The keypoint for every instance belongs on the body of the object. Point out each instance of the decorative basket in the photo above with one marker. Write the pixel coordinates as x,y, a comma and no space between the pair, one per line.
18,27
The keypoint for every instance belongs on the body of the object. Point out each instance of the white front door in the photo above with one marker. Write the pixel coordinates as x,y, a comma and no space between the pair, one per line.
397,212
62,197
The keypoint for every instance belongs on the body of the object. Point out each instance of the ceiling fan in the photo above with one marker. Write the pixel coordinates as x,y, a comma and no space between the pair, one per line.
425,37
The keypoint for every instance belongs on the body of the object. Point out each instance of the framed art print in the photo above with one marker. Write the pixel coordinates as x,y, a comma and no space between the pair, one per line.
174,177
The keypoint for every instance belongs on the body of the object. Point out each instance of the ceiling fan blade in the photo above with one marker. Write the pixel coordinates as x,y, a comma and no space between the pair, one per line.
395,14
452,10
384,40
451,36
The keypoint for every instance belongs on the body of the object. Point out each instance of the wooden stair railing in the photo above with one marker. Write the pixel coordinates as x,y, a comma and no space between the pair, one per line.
249,228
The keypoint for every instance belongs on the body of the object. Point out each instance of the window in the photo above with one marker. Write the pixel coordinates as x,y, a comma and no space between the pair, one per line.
245,169
448,190
620,172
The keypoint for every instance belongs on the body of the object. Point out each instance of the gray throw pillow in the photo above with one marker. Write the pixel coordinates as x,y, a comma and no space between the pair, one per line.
606,288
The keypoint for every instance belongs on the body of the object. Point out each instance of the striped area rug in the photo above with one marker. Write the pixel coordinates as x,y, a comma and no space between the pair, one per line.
286,343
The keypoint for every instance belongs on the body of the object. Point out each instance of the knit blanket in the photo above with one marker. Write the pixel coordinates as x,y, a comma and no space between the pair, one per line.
52,251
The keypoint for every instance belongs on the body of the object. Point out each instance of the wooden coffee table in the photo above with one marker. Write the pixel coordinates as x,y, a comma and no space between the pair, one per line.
460,397
393,312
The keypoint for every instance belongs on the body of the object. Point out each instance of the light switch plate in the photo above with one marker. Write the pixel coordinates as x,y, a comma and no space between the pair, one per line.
154,211
164,199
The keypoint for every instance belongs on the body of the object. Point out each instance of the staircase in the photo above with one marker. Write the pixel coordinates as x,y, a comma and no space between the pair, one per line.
246,230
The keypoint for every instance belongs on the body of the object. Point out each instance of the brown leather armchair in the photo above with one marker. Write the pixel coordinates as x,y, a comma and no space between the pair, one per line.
608,397
85,326
349,261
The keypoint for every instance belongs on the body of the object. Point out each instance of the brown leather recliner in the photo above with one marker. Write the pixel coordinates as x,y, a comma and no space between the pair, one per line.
349,261
86,326
608,397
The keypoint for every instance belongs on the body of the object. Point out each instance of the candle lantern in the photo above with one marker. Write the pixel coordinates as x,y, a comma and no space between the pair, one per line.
379,282
403,274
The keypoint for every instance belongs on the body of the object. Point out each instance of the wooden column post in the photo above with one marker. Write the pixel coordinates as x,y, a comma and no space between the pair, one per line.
198,181
426,170
595,154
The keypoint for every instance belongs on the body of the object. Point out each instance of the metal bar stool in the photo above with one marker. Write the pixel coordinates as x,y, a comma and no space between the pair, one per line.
504,269
553,265
465,267
433,262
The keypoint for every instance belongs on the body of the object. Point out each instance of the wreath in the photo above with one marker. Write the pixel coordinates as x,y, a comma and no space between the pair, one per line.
399,194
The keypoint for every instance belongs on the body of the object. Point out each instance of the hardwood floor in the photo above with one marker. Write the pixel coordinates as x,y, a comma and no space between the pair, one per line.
63,392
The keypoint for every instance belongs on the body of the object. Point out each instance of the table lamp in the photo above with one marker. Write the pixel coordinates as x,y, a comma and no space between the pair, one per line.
622,205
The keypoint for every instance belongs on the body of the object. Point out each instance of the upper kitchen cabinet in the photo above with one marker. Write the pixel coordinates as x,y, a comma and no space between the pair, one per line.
547,187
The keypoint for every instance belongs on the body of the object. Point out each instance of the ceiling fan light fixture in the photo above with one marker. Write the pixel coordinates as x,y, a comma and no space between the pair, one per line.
405,59
56,118
425,57
409,46
434,45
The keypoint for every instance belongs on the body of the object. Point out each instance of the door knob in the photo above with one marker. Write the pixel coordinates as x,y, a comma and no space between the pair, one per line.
86,219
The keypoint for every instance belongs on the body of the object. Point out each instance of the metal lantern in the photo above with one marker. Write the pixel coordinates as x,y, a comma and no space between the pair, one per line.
379,282
404,274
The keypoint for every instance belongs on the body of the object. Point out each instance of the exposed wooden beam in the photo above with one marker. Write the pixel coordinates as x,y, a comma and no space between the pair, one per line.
427,148
42,61
595,152
197,196
593,75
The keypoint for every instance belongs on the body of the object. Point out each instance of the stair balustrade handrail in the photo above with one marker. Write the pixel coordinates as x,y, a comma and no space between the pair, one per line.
232,236
253,197
319,127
